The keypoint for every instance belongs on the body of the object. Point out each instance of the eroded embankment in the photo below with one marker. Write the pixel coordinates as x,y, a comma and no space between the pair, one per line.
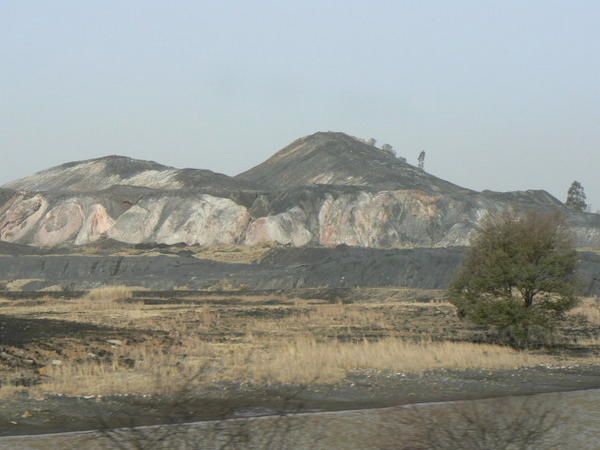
284,268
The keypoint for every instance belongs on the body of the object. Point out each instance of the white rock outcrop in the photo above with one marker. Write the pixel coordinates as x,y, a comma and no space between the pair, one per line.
385,219
288,228
207,220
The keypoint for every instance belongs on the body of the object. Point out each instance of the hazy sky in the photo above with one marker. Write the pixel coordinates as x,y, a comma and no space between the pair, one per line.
501,94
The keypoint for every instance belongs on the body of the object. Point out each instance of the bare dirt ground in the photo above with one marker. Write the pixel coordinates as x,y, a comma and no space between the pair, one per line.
544,421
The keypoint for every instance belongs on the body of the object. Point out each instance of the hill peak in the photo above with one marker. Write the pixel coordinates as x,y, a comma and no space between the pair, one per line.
106,171
331,140
336,158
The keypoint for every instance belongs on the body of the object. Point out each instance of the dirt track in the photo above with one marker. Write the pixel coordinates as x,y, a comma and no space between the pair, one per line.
576,414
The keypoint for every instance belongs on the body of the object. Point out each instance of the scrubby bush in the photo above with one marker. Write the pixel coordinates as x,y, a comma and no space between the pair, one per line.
518,276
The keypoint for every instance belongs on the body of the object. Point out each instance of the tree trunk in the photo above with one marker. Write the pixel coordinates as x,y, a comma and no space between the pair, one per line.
528,297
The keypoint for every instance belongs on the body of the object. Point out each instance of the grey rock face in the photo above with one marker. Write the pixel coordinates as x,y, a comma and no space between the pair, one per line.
325,189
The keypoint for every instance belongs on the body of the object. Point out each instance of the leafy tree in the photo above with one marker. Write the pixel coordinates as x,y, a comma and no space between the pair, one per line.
576,199
372,142
518,275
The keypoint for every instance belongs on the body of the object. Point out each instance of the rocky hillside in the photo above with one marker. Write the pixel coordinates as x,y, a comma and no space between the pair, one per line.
102,173
325,189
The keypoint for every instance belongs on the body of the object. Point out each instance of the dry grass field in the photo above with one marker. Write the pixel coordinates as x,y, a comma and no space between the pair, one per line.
223,252
588,309
112,342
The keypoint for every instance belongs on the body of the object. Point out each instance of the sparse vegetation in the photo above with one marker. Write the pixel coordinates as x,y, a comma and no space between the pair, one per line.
136,368
245,339
186,348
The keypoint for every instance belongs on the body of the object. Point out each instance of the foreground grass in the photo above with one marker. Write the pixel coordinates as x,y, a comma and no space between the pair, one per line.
299,361
252,340
305,359
589,309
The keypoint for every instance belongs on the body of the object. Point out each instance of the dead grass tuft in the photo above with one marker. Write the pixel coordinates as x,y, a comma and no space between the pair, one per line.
305,360
18,285
106,297
109,293
141,369
234,253
138,369
589,309
10,391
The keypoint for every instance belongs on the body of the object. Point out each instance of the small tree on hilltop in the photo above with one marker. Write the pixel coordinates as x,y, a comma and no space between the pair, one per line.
421,160
518,275
388,148
576,199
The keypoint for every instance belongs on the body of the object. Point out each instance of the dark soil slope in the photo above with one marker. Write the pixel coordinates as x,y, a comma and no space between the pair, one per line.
339,159
286,268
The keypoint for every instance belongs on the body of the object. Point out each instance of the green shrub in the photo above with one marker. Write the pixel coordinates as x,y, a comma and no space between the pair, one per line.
518,276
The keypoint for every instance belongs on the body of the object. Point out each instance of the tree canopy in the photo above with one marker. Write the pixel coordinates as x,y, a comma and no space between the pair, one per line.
518,274
576,198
